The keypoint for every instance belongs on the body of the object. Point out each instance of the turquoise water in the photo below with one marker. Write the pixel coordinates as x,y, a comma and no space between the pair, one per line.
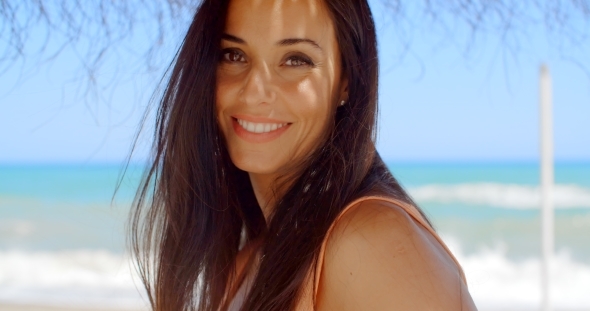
516,229
65,207
68,183
72,206
62,232
413,174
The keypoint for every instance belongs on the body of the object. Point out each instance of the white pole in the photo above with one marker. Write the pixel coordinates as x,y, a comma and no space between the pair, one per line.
546,186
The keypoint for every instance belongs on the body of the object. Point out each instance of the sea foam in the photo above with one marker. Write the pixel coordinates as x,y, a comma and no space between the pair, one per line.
497,283
69,278
103,279
501,195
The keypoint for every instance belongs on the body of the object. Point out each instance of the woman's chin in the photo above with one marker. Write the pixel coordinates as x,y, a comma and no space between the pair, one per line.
256,166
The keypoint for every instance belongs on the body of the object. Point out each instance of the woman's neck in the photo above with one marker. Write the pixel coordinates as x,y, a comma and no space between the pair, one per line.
266,190
262,184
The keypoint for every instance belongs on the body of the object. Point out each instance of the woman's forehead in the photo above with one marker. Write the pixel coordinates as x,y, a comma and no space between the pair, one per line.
274,20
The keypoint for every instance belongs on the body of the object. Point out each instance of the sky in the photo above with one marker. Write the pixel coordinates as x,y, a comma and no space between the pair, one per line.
441,100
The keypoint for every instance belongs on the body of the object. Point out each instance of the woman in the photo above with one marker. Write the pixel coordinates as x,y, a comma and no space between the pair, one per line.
266,192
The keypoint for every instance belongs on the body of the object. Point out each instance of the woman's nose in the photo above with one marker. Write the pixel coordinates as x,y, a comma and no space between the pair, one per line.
258,88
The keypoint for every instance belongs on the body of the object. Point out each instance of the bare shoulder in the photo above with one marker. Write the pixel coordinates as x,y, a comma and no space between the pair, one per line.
379,258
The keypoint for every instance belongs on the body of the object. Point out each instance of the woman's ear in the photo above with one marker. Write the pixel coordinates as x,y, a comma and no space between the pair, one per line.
344,90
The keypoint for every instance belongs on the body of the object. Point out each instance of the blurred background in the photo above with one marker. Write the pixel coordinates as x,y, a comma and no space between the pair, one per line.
459,128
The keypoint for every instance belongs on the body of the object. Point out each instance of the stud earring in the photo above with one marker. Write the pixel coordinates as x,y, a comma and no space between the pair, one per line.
342,103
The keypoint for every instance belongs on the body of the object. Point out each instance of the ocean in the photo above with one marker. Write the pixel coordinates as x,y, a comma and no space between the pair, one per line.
62,233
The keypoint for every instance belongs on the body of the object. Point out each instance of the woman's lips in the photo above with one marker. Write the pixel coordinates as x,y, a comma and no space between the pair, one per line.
258,132
260,128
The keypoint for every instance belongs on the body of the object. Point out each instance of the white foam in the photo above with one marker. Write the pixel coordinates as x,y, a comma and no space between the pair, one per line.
497,283
100,278
501,195
76,278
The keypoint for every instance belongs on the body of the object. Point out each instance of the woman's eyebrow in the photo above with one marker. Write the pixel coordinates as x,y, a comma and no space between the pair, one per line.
293,41
232,38
284,42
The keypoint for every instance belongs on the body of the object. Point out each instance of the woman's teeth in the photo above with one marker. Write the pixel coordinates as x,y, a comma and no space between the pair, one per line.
260,127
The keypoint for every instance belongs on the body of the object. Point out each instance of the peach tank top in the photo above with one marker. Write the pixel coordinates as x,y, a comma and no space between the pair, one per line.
310,290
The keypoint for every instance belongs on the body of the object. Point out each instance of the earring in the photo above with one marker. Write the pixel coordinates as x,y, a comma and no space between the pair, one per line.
342,103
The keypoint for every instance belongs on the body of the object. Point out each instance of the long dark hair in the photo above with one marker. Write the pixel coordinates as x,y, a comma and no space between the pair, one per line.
193,204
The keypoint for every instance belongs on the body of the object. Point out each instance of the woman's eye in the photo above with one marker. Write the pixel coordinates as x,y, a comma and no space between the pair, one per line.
297,61
232,56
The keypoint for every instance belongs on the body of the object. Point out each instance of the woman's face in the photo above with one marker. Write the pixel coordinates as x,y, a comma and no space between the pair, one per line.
278,82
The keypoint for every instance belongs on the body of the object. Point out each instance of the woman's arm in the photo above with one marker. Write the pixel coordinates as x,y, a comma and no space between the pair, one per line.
379,258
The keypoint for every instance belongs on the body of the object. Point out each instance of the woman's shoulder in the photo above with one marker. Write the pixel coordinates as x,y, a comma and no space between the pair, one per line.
379,253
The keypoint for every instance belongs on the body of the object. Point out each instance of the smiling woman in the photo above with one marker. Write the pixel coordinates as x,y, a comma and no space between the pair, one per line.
265,191
280,69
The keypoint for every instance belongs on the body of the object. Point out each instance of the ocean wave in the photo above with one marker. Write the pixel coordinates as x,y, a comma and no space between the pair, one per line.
497,283
69,278
105,280
501,195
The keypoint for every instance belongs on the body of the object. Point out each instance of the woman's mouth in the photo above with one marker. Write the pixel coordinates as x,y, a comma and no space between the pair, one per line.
259,132
259,128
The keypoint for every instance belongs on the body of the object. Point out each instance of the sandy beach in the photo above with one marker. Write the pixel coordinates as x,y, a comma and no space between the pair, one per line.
19,307
14,307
